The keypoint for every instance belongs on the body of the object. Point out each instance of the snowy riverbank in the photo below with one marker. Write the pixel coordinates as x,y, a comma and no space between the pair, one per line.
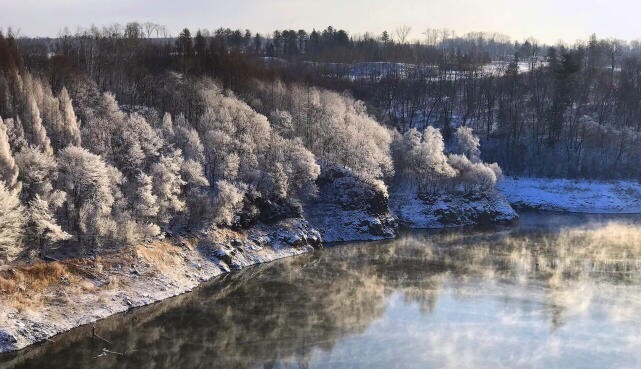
50,298
350,208
579,196
42,300
447,211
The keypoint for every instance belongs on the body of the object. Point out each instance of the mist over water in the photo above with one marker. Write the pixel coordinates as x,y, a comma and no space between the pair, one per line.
557,291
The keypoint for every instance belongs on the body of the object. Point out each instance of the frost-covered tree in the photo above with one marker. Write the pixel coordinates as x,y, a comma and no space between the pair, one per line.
145,203
37,170
167,127
135,145
35,132
474,177
167,185
242,149
197,193
291,170
52,118
71,126
468,144
421,158
188,140
43,229
334,127
283,123
432,151
103,121
15,133
8,167
12,221
192,172
92,188
229,126
228,202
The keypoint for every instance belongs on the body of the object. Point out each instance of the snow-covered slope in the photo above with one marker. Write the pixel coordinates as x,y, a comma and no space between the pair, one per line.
580,196
447,210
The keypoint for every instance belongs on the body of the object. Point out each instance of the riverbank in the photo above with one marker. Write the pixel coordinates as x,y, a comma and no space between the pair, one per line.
576,196
44,299
418,284
449,211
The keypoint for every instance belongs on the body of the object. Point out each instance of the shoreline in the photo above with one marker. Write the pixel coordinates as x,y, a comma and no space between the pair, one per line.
572,196
137,277
146,274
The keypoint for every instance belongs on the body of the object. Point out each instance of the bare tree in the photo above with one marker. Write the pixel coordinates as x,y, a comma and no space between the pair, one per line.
432,36
402,32
150,28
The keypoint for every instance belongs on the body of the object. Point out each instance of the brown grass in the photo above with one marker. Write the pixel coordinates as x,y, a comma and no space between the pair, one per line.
28,286
229,234
35,277
33,286
162,256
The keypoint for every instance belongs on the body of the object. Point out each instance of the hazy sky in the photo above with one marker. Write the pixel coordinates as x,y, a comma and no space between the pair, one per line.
546,20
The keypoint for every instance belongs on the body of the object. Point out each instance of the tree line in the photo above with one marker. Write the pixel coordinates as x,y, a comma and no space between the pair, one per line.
563,110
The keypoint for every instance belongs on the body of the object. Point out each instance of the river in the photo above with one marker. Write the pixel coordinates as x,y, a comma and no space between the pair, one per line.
556,291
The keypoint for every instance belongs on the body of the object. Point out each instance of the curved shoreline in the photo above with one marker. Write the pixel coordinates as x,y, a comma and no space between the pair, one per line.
140,276
146,274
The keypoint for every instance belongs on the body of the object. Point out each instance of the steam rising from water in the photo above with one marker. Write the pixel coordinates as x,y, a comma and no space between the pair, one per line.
560,295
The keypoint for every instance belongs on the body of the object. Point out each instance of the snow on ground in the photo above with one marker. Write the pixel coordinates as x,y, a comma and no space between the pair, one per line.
143,275
447,210
340,225
350,208
579,196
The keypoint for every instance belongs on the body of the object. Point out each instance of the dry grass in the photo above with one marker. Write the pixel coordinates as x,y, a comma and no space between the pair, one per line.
30,286
228,234
164,257
33,286
35,277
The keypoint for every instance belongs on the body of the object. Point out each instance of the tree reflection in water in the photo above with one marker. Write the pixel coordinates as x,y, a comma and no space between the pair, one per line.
529,296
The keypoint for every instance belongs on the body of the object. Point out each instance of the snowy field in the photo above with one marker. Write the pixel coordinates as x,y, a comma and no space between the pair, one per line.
579,196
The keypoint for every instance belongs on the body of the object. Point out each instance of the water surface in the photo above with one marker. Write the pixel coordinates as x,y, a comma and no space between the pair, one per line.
558,291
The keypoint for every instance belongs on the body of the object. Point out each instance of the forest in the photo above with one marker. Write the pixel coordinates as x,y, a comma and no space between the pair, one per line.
540,110
117,136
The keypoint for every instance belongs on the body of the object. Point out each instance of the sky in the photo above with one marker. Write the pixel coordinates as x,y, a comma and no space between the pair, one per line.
546,20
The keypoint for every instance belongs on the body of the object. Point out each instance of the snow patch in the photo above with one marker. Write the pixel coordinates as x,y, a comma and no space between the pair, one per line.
450,210
578,196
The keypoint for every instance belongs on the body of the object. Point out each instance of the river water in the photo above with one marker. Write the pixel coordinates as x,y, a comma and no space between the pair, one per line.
557,291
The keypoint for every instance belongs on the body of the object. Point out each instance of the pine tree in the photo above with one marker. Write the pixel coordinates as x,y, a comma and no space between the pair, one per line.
36,133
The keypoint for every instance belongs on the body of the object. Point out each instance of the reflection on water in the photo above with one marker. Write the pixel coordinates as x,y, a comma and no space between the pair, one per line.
557,291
